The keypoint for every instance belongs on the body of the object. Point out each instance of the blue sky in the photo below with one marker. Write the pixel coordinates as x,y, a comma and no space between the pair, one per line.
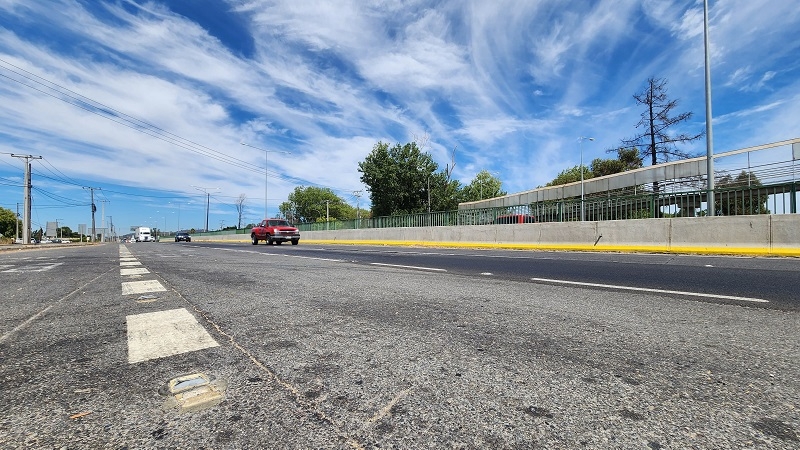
149,99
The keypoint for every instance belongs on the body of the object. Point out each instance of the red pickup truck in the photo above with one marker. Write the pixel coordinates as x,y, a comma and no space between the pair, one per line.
274,230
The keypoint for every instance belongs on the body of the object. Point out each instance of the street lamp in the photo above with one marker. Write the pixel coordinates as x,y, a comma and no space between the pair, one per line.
266,171
709,135
208,200
580,145
179,212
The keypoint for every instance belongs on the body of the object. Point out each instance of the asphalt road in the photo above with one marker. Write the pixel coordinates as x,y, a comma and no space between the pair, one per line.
762,282
343,348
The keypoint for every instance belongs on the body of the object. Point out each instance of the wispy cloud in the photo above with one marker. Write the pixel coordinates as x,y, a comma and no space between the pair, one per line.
510,84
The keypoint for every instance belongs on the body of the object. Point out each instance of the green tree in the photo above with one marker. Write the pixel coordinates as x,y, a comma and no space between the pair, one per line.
483,186
397,178
571,175
314,204
64,232
627,159
445,193
734,197
8,223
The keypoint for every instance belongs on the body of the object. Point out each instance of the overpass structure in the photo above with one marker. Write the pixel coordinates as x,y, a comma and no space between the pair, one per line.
674,188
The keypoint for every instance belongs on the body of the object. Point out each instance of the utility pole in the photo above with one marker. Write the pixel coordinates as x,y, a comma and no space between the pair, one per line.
26,207
103,219
58,228
94,210
16,222
111,222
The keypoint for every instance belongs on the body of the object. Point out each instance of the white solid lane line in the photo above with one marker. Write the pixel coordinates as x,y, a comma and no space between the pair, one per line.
432,269
657,291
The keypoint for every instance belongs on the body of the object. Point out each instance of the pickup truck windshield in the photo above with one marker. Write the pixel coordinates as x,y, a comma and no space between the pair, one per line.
279,223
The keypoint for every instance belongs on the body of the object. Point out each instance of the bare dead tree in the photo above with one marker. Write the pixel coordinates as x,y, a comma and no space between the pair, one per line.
240,208
655,122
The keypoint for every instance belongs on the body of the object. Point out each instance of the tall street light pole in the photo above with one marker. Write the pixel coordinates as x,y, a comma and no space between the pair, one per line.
580,144
709,135
208,199
266,171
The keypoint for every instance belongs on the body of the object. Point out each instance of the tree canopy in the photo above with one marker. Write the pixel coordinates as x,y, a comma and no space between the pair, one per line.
314,204
571,175
731,202
397,178
8,223
627,159
483,186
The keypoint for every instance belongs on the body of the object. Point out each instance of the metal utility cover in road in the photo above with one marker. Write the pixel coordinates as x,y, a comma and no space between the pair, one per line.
194,392
165,333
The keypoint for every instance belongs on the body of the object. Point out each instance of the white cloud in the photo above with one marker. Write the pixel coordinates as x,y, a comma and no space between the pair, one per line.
502,81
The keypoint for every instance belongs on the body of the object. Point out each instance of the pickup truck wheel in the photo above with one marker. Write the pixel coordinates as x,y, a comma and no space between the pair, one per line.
255,240
280,242
269,240
295,241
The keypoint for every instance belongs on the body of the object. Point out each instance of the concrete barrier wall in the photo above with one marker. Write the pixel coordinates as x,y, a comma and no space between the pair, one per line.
754,235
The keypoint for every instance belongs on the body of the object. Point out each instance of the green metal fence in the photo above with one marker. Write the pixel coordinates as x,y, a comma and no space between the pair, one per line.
773,199
769,199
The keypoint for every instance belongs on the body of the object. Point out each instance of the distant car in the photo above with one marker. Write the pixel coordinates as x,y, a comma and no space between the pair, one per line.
514,218
183,236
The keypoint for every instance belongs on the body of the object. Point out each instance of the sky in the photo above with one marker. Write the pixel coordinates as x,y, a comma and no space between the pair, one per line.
149,102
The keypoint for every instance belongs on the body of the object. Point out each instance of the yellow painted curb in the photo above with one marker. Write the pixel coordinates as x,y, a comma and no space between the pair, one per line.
699,250
750,251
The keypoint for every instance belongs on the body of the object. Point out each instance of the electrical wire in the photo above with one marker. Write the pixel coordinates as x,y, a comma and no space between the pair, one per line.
105,111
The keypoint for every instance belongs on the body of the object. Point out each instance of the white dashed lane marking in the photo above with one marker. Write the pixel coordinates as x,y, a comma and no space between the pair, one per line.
165,333
129,263
133,271
36,267
141,287
432,269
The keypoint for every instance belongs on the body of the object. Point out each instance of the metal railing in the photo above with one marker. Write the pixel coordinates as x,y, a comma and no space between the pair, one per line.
779,198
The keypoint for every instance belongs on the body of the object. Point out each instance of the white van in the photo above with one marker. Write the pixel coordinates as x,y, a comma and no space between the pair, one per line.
142,234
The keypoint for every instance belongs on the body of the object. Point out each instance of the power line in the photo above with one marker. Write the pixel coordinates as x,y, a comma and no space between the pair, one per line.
58,198
66,179
92,106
